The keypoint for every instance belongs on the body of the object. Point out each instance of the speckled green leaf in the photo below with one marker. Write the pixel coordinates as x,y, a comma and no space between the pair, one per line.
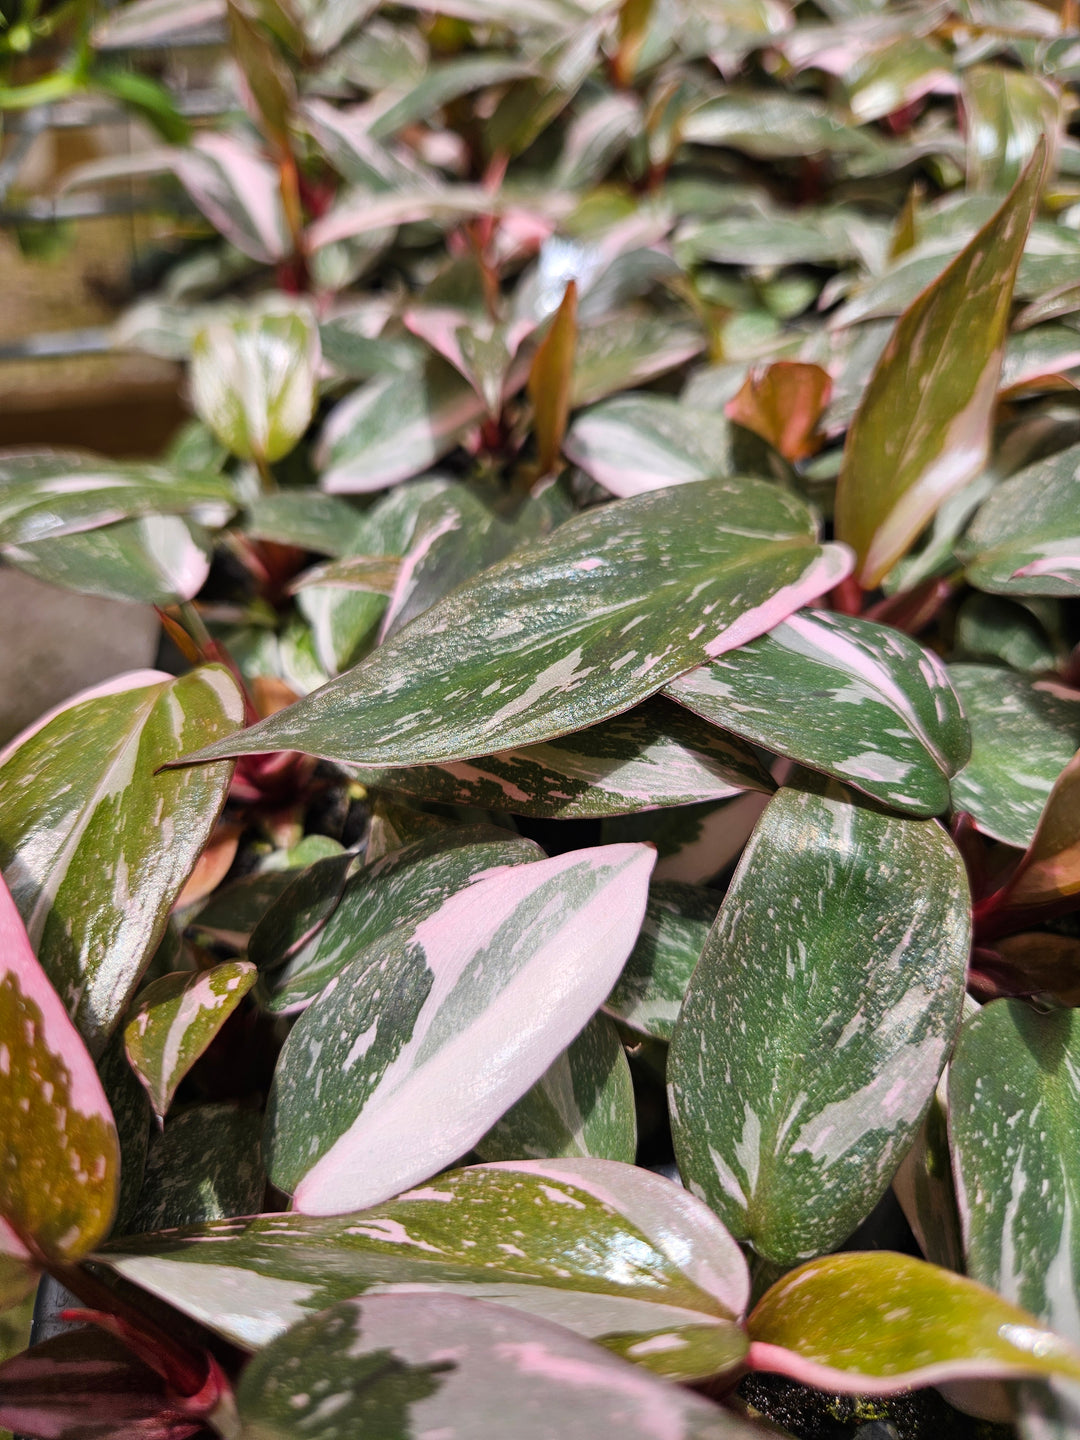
872,1321
873,707
610,1251
175,1020
574,629
583,1104
60,1178
310,934
206,1165
1023,734
923,427
1026,539
1014,1109
253,379
637,442
131,1111
154,560
817,1022
95,843
627,349
772,125
412,1366
1006,111
323,523
655,755
1008,632
45,493
653,983
410,1055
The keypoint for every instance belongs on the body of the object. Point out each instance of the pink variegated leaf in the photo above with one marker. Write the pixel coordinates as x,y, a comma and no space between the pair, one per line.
411,1054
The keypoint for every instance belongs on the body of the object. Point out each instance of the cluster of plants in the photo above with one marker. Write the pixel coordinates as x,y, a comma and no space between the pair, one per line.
608,817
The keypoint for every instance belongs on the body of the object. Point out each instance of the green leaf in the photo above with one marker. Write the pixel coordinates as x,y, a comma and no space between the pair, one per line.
654,755
58,1129
652,986
175,1020
206,1165
610,1251
402,1365
628,348
155,560
253,379
97,852
893,76
306,518
311,933
444,83
574,629
407,1058
875,1322
825,1000
924,1187
770,125
550,379
1007,632
1050,870
1014,1107
637,442
1025,540
1012,717
394,427
583,1104
1006,113
874,708
923,427
44,493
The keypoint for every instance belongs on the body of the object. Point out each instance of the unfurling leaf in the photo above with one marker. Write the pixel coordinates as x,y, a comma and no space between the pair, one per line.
60,1177
923,427
784,403
253,379
551,379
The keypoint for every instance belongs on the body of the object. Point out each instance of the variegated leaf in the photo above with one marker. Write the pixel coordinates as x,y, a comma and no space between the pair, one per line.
923,427
871,1322
1014,1108
1023,734
253,379
819,1018
611,1251
307,518
874,708
583,1104
406,1365
1050,870
238,191
95,843
652,986
638,442
407,1058
175,1020
154,560
575,629
60,1179
317,928
1025,540
627,349
46,493
206,1165
654,755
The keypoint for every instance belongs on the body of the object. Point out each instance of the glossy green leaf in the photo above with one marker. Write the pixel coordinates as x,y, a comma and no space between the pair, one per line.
1023,734
444,83
610,1251
626,349
887,79
95,843
872,1321
1007,632
60,1179
925,1189
583,1104
44,493
206,1165
654,755
652,986
253,379
131,1112
175,1020
874,708
306,518
1014,1104
154,560
923,427
406,1365
575,629
1006,113
408,1057
1025,540
819,1018
637,442
311,933
770,125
